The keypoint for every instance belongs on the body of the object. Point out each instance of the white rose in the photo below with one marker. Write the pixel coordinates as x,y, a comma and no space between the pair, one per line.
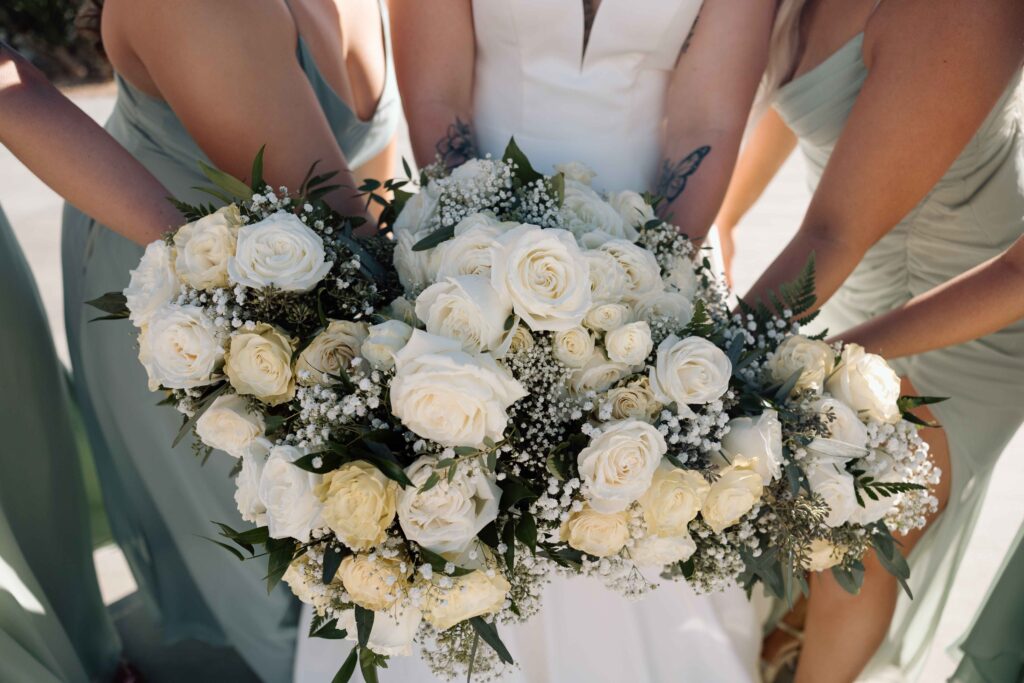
474,171
690,371
585,212
847,435
259,363
643,275
446,518
466,308
180,348
521,340
599,374
629,344
634,400
359,504
619,464
393,629
735,493
247,483
384,341
306,582
682,276
418,219
279,251
823,555
673,500
835,485
545,275
814,360
660,551
576,171
228,425
330,353
401,309
287,492
573,347
472,595
596,533
153,283
443,393
607,317
373,582
632,208
757,442
667,304
470,251
866,383
608,281
204,247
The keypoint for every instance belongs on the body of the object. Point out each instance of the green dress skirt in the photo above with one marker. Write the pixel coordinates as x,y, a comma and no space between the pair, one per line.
162,500
994,647
53,625
972,214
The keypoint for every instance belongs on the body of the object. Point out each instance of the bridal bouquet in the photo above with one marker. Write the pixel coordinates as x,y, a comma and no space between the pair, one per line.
531,377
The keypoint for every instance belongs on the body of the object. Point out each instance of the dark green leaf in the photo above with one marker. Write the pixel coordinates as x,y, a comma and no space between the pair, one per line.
508,537
431,482
113,303
438,563
526,531
256,179
385,461
231,549
281,552
326,629
515,491
368,665
364,624
489,634
787,387
344,674
850,578
329,461
435,238
524,171
233,186
332,560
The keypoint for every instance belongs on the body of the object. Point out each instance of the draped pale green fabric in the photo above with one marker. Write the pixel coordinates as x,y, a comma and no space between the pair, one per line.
994,647
53,625
972,214
161,500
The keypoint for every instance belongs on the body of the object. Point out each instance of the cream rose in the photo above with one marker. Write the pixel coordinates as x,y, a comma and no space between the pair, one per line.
632,208
402,310
814,359
374,583
835,485
665,304
659,551
393,629
204,247
598,375
690,371
279,251
823,555
153,283
521,340
545,275
330,352
359,504
470,251
866,383
591,219
634,400
442,393
259,363
643,275
757,442
607,317
287,492
847,435
247,483
180,348
472,595
574,170
735,493
682,276
573,347
447,517
673,500
608,281
417,220
384,341
629,344
466,308
229,425
619,464
596,533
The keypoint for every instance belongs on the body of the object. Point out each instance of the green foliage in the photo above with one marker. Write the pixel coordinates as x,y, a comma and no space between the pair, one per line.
876,490
489,633
701,324
204,404
113,304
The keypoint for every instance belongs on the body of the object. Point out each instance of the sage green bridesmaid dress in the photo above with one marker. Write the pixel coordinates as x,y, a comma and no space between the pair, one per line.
53,625
161,500
972,214
994,647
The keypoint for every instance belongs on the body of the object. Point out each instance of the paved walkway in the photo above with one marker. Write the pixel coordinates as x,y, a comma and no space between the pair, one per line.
34,212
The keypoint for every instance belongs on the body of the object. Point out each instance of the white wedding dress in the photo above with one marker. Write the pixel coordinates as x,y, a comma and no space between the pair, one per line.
604,108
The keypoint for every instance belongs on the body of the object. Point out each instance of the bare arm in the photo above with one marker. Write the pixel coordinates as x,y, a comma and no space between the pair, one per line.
228,69
978,302
708,104
941,65
434,55
75,157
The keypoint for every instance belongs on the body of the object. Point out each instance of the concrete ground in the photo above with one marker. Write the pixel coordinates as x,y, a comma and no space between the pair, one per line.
34,211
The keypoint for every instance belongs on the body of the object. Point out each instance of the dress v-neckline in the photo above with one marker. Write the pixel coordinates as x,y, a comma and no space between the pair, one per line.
587,38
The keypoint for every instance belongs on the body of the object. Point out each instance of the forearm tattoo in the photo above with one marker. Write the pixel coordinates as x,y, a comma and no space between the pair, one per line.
675,175
458,145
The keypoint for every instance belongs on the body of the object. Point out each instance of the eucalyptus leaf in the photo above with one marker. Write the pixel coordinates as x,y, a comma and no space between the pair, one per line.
344,674
435,238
